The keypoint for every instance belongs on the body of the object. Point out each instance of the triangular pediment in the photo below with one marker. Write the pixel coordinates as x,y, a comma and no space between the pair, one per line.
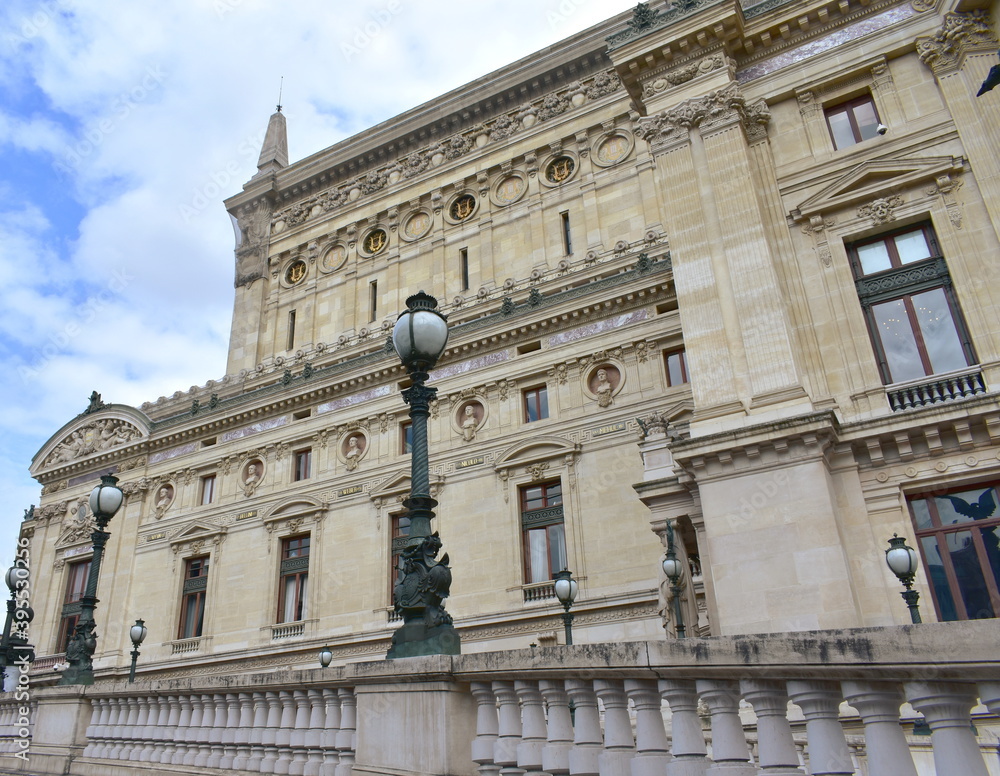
398,483
295,509
874,178
197,530
536,449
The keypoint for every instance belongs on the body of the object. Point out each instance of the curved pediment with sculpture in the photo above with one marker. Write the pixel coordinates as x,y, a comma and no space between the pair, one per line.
90,435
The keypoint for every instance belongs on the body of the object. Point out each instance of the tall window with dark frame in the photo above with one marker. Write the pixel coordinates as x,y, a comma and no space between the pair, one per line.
959,542
373,300
291,330
906,293
536,404
463,267
303,464
193,598
852,122
676,364
542,530
293,579
76,588
208,489
406,438
567,235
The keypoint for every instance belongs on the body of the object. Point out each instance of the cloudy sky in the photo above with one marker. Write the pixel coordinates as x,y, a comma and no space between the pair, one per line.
123,126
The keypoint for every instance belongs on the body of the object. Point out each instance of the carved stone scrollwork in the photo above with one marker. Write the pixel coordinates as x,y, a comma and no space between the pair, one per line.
715,109
946,187
816,228
960,33
881,210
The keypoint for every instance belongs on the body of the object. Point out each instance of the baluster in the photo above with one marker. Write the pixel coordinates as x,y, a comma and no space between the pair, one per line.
300,728
284,737
97,710
313,740
827,747
258,751
533,733
193,730
170,734
138,742
509,731
946,707
587,738
774,734
878,704
348,724
203,733
270,733
157,730
730,752
487,728
215,732
555,754
687,738
227,722
331,729
652,750
619,748
244,730
120,730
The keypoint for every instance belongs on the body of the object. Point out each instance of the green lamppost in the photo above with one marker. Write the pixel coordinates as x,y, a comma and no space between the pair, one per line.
14,647
902,559
138,634
105,500
566,589
673,568
419,337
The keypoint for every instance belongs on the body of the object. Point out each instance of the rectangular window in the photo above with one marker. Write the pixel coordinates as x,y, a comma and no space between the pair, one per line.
208,489
291,330
566,234
463,258
373,299
676,363
406,438
542,530
193,598
913,317
852,122
76,587
400,533
960,547
303,464
294,579
536,404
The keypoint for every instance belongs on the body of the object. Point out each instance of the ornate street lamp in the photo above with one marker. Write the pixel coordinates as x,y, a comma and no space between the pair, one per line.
105,500
903,562
325,657
566,590
420,336
14,647
673,568
138,634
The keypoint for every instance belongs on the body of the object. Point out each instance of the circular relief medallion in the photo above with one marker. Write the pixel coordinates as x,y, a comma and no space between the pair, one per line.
375,242
295,273
508,190
560,169
462,208
334,258
417,225
612,149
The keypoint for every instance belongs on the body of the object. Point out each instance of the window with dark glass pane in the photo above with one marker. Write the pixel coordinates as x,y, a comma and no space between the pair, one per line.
852,122
293,579
76,587
676,367
303,464
208,489
543,532
536,404
960,548
406,438
400,533
193,598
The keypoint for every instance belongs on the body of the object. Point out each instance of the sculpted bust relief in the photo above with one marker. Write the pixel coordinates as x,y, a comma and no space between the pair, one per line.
252,476
603,384
353,451
470,419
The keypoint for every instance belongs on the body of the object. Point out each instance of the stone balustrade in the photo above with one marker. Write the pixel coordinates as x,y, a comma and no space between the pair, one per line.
823,703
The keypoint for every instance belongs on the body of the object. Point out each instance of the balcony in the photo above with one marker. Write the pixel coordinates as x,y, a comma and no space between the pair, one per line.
856,701
940,388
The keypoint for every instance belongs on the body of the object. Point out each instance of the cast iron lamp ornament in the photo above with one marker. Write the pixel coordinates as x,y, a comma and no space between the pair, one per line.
903,562
14,647
105,500
419,337
566,589
138,634
673,568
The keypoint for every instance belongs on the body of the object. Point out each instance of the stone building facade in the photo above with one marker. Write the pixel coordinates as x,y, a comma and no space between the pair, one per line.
723,272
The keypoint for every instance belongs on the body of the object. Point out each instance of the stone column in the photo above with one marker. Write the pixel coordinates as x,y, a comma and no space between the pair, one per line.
730,752
776,749
587,738
487,728
555,754
652,750
946,707
878,704
827,748
688,746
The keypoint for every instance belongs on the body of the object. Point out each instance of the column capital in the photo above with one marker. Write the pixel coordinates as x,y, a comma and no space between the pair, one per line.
960,33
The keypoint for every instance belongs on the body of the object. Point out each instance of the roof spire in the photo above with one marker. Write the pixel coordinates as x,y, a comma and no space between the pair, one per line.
274,153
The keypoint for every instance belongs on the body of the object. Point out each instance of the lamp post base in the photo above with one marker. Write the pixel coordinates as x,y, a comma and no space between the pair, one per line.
415,638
